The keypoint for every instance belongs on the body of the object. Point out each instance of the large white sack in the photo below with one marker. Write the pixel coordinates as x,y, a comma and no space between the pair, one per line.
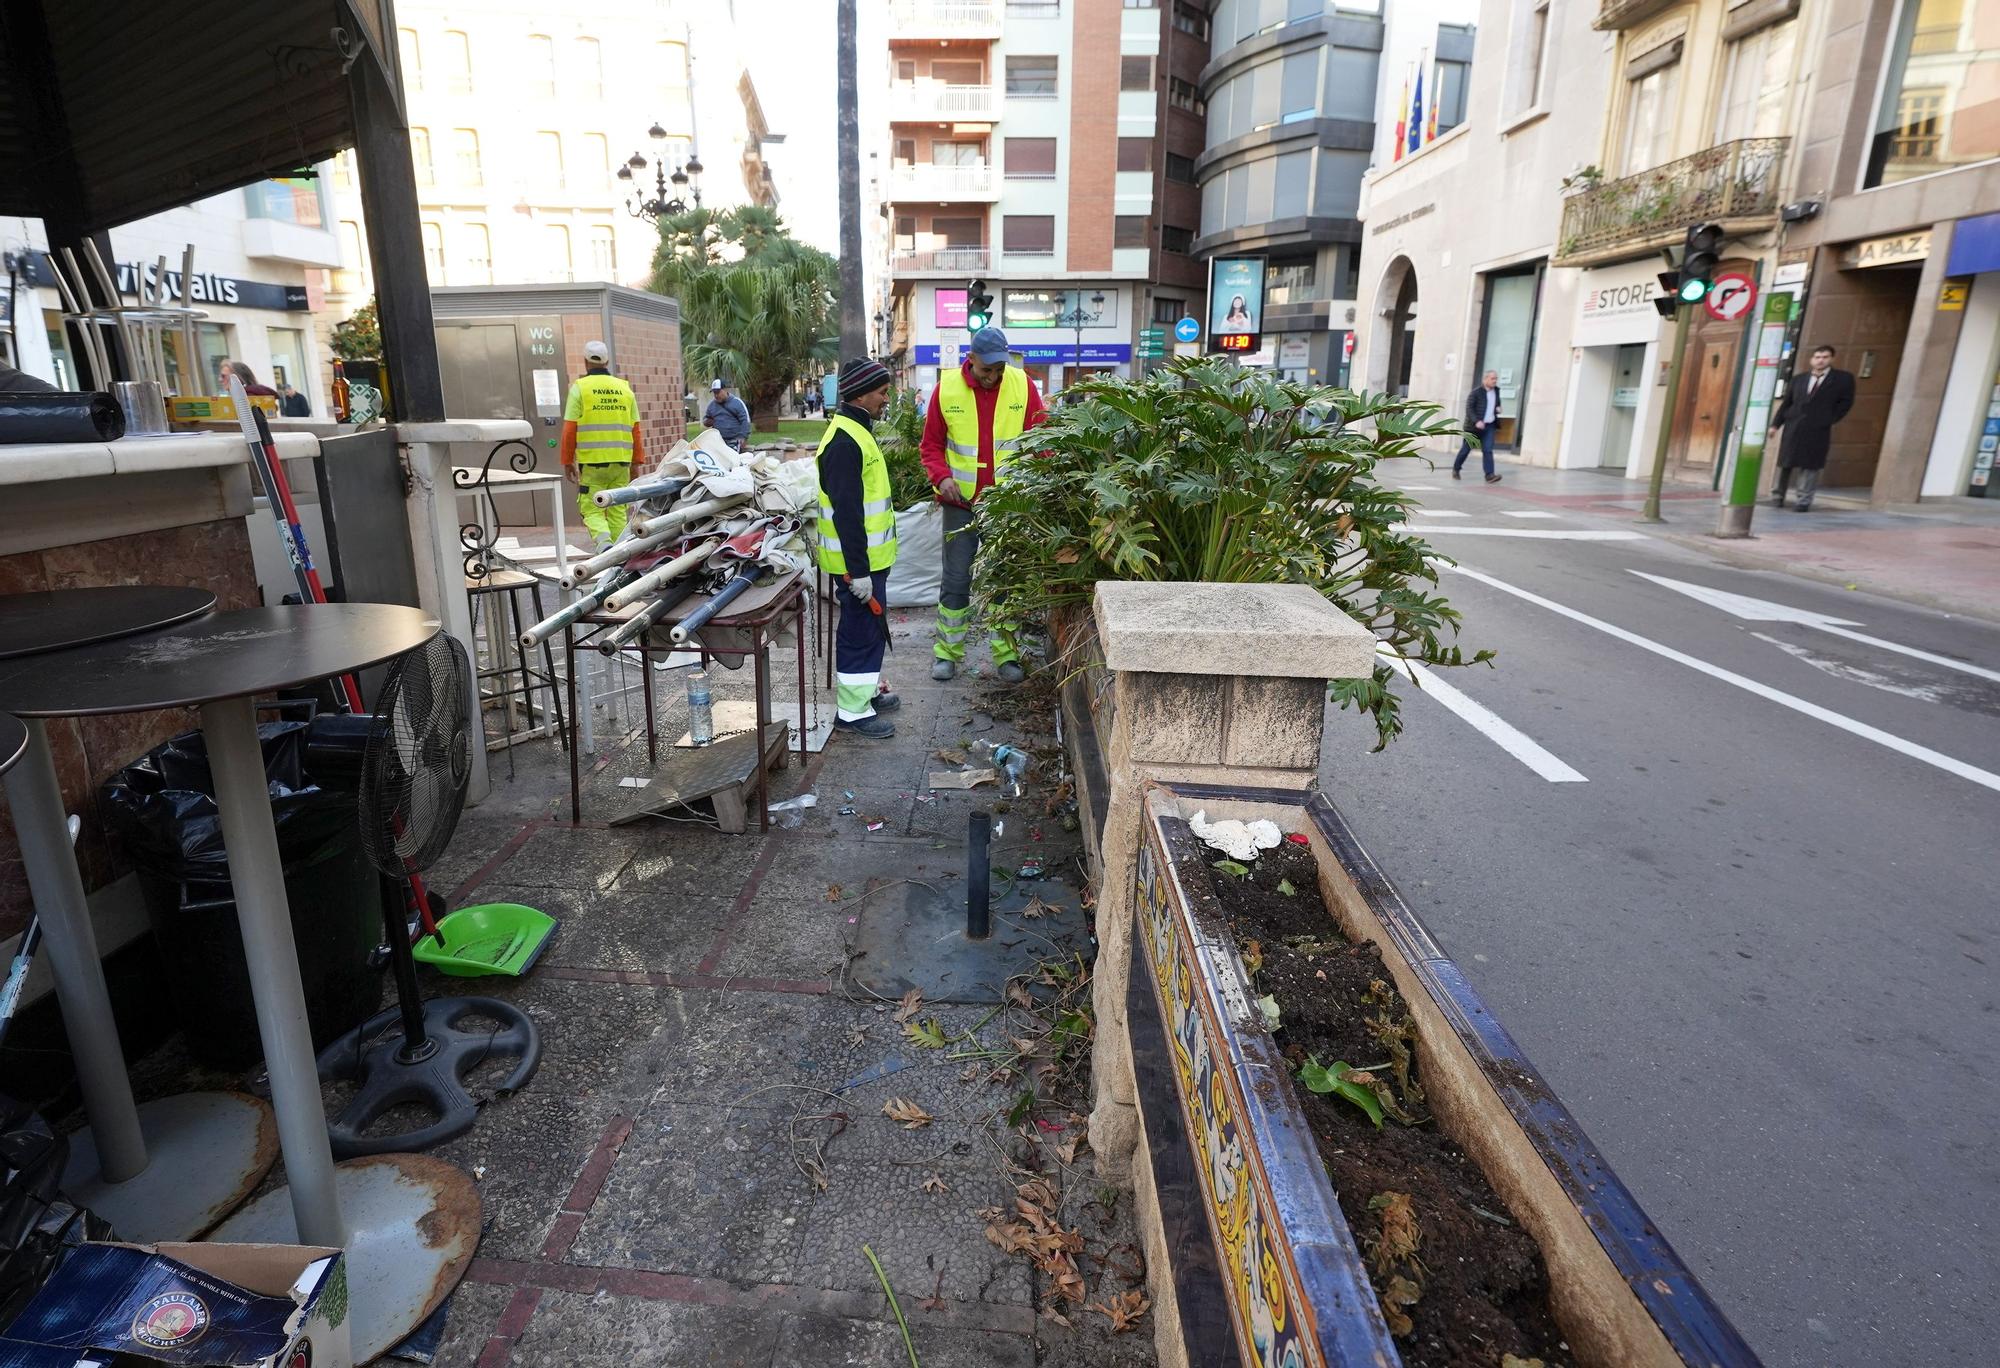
919,574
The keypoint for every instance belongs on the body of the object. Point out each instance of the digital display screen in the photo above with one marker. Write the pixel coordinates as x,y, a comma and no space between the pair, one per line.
1236,342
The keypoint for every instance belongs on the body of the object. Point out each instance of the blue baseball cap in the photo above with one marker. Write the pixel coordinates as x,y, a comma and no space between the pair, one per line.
989,345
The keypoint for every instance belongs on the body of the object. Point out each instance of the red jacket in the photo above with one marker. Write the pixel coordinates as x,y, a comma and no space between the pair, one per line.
935,463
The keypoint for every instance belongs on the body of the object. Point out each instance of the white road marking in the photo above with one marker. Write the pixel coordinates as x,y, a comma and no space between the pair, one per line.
1762,610
1984,778
1502,733
1541,533
1440,513
1854,674
1526,513
1421,489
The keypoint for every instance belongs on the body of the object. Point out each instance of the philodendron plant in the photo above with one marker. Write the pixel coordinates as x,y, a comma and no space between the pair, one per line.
1203,471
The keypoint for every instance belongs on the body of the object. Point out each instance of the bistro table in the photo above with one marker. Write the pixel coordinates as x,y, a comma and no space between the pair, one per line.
407,1222
174,1167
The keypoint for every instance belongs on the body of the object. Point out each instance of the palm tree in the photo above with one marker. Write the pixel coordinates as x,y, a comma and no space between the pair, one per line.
761,326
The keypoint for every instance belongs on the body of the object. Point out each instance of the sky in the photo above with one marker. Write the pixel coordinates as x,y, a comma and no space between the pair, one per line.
789,48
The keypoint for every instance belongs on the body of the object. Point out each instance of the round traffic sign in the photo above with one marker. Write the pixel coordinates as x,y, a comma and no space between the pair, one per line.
1730,297
1187,330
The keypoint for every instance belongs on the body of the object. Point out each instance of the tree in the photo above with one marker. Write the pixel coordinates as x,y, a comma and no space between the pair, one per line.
761,326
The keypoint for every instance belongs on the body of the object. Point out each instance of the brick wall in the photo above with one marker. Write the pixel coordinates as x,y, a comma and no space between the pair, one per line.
647,353
1093,132
88,750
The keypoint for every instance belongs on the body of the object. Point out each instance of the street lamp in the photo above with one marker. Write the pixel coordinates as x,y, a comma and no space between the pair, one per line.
686,179
1077,317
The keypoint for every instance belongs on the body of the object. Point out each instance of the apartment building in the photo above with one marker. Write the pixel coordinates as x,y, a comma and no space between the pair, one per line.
1023,151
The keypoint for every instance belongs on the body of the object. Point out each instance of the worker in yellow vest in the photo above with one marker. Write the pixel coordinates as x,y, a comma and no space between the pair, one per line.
857,547
601,442
977,415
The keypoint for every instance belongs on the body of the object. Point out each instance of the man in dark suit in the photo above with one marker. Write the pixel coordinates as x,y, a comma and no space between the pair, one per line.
1814,402
1482,416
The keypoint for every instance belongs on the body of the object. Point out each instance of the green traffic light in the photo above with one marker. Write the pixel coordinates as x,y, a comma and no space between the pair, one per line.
1693,290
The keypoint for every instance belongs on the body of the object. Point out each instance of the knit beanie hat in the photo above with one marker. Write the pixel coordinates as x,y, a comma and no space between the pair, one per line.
862,375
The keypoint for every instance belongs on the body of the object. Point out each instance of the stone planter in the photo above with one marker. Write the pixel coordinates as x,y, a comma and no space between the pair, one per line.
1262,1268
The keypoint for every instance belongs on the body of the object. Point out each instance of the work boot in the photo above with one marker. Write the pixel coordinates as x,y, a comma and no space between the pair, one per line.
942,669
874,728
886,701
1012,673
1493,479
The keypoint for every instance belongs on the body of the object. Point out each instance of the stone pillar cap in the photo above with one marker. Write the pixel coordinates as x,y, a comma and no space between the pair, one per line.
1276,630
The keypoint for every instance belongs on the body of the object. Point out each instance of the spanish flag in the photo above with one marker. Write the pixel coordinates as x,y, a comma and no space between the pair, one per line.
1437,91
1403,117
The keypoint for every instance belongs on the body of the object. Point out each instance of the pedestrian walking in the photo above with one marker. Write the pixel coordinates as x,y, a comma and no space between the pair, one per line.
1814,402
600,441
727,415
1482,416
857,546
975,419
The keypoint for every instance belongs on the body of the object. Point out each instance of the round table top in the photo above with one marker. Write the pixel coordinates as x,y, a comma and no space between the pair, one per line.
224,655
57,619
13,740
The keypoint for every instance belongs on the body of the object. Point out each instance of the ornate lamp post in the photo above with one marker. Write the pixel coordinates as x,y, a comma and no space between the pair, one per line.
1076,318
663,203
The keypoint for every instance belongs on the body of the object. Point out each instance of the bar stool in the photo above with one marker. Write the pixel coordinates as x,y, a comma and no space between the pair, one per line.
505,671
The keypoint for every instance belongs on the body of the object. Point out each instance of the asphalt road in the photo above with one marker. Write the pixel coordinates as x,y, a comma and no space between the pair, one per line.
1755,950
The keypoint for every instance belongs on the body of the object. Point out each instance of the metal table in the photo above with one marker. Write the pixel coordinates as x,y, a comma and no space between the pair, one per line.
174,1167
13,741
408,1223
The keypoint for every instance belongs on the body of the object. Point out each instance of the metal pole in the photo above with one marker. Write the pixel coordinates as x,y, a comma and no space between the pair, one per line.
257,878
978,876
35,795
853,307
1658,475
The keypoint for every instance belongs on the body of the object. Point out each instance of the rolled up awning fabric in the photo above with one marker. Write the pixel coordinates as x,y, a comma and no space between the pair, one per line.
59,416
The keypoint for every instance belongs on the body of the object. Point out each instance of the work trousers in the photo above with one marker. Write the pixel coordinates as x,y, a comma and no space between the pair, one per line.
1485,448
603,524
961,544
859,642
1808,484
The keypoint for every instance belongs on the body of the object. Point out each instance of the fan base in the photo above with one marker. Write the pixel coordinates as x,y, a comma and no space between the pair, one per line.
387,1072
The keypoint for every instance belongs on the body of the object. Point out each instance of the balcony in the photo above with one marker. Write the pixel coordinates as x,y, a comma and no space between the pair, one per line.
1623,14
921,181
1734,184
942,261
934,101
912,20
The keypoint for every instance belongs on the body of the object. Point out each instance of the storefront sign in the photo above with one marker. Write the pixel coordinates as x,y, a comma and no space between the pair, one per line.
1975,245
1616,307
1294,353
1057,309
208,289
1952,295
948,309
1887,251
1049,354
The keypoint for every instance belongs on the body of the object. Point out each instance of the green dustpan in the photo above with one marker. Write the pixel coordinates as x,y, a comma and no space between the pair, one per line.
491,938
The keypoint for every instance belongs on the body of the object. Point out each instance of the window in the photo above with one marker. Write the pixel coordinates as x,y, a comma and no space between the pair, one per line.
1527,56
420,156
1756,84
906,151
1142,4
604,253
288,356
1135,73
1298,92
478,252
1649,117
1174,239
540,72
1451,82
958,73
1538,49
548,152
1030,158
1031,77
1129,230
1292,178
465,148
1180,169
1507,342
1939,108
457,62
957,154
959,232
1168,311
556,248
1289,282
352,255
1034,9
1182,95
1032,234
1135,154
589,82
906,70
596,160
1191,20
343,170
433,235
409,54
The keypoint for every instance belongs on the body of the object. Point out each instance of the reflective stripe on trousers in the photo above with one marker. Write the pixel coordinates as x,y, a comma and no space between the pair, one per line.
858,648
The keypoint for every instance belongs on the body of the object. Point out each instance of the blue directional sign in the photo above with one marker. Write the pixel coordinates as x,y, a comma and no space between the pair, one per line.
1187,330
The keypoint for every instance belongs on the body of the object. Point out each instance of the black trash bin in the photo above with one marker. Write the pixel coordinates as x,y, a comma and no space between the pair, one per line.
163,811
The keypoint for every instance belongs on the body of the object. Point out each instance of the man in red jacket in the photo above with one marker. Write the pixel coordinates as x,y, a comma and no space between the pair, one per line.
977,416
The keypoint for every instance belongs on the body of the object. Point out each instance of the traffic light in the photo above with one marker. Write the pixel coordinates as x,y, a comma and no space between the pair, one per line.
1701,254
978,307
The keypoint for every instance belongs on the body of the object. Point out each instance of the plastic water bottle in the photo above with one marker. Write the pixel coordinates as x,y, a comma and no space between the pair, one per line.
701,711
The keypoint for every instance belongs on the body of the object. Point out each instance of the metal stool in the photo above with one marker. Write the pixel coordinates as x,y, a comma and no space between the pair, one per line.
510,673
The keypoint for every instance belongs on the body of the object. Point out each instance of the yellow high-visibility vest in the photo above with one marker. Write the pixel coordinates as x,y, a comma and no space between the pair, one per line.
878,509
961,424
604,409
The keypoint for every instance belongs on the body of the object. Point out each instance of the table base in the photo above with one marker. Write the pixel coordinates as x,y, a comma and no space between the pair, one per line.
412,1224
206,1154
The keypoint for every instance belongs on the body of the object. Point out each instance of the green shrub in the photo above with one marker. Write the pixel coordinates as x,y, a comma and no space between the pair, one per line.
1203,471
900,434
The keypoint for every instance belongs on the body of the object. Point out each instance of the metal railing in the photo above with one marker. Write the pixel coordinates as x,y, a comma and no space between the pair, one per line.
945,18
943,259
936,100
1730,182
922,181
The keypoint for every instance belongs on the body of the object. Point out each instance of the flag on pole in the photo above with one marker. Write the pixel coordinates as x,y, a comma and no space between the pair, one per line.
1437,98
1403,117
1417,112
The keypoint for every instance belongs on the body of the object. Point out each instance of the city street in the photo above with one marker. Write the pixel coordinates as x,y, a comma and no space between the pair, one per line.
1725,878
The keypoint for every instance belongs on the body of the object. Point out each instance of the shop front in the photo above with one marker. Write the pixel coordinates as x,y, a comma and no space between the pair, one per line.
1964,447
1058,333
1615,341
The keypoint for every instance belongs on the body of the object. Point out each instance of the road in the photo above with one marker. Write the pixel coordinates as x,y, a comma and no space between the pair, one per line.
1754,948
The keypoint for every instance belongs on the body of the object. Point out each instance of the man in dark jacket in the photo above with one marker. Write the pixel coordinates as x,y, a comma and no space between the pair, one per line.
1482,416
1814,402
857,548
727,415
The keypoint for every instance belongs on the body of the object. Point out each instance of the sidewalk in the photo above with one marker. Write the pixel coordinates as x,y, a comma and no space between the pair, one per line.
1944,554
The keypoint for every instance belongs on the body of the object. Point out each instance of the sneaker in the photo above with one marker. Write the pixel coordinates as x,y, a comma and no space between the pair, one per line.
1455,475
1493,479
1012,673
1802,508
886,701
874,728
943,669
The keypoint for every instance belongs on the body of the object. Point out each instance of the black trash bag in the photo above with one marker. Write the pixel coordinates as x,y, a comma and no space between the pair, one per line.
162,811
37,1227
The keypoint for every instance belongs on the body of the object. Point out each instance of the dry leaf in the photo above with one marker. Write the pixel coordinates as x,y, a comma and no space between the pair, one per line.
1070,1147
856,1035
1049,1312
1069,555
935,1301
911,1001
1516,1361
906,1113
1024,1047
1040,1192
934,1183
1123,1310
1020,996
1399,1293
834,893
1037,909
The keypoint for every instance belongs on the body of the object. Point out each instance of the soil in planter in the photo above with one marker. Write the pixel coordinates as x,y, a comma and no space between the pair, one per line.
1455,1272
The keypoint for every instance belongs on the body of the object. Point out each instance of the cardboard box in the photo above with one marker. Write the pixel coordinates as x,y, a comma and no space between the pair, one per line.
195,1305
214,408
